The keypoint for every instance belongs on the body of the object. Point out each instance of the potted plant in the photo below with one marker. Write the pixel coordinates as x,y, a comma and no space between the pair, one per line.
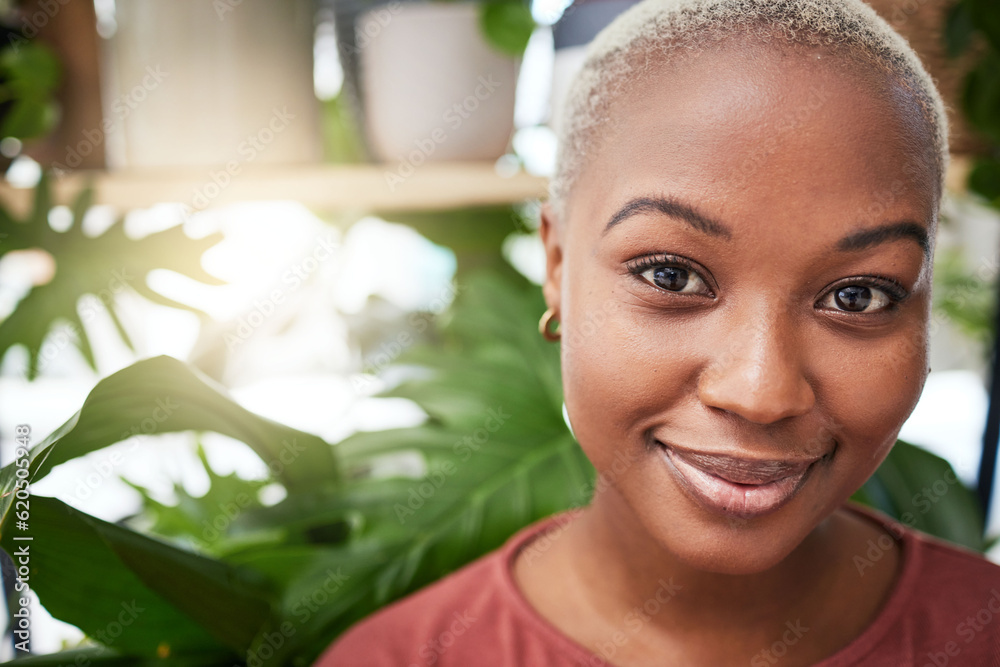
433,81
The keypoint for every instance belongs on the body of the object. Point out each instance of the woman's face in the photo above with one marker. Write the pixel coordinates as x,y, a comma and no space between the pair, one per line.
743,285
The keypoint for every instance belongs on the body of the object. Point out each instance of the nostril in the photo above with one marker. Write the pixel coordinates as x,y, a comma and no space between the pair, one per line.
759,398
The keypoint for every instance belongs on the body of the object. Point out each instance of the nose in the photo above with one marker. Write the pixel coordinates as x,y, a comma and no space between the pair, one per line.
758,373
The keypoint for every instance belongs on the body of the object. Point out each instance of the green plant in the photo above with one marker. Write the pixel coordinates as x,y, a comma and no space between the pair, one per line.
345,541
966,300
99,266
29,75
976,24
507,24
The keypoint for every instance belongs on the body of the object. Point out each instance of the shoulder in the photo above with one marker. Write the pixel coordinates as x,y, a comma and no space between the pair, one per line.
454,621
945,603
955,579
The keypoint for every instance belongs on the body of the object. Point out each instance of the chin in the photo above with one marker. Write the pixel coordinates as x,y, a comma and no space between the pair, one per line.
736,556
726,544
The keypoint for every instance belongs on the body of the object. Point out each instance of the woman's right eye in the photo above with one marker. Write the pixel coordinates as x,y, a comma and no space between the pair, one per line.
671,276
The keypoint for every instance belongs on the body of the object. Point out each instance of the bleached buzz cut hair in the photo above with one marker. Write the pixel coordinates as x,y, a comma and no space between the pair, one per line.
656,32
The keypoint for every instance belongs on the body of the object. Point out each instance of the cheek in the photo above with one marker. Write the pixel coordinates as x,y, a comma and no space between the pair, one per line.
875,391
621,374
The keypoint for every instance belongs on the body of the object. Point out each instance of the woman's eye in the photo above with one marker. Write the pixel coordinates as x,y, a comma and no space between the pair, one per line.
676,279
857,299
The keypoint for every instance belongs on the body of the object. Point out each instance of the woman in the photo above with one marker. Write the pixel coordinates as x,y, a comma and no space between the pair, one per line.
749,190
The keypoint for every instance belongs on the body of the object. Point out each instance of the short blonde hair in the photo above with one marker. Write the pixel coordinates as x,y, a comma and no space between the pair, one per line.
658,31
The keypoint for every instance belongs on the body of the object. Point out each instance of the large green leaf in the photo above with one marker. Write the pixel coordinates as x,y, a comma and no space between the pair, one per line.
499,457
921,490
101,267
162,395
131,592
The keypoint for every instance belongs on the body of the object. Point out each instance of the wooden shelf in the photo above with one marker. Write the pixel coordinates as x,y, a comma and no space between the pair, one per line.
322,188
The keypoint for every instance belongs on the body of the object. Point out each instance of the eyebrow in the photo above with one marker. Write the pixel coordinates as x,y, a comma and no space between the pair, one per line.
866,238
859,240
673,208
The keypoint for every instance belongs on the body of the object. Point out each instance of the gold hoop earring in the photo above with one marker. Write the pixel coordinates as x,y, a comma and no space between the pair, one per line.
544,326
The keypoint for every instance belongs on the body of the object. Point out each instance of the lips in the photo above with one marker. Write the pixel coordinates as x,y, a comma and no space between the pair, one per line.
737,487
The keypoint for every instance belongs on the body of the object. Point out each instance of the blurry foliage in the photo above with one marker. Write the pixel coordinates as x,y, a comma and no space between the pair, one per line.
498,454
200,520
342,142
475,235
345,541
29,75
100,266
921,490
507,25
965,299
976,24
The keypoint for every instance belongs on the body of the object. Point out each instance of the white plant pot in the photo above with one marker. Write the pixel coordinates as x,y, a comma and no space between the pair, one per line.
192,83
432,88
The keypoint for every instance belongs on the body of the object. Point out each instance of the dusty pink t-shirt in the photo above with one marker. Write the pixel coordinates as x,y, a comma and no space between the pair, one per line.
943,611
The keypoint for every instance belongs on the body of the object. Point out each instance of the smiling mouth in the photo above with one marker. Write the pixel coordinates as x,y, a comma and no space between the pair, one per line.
735,487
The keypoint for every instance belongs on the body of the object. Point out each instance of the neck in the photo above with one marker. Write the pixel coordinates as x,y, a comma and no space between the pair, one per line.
620,566
606,579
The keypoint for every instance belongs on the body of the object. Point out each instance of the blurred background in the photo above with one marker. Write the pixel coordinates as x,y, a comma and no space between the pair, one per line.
327,211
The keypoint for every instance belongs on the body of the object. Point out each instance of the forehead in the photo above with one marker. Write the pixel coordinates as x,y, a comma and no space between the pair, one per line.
743,125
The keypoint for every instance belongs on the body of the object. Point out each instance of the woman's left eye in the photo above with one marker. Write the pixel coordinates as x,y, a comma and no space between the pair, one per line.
857,299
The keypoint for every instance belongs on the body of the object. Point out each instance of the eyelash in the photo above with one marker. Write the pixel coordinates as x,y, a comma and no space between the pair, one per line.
641,264
895,292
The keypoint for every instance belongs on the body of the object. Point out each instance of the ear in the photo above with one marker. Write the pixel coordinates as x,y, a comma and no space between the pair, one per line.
551,232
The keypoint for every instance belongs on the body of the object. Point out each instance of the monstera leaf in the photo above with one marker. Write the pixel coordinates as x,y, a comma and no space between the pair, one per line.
100,267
